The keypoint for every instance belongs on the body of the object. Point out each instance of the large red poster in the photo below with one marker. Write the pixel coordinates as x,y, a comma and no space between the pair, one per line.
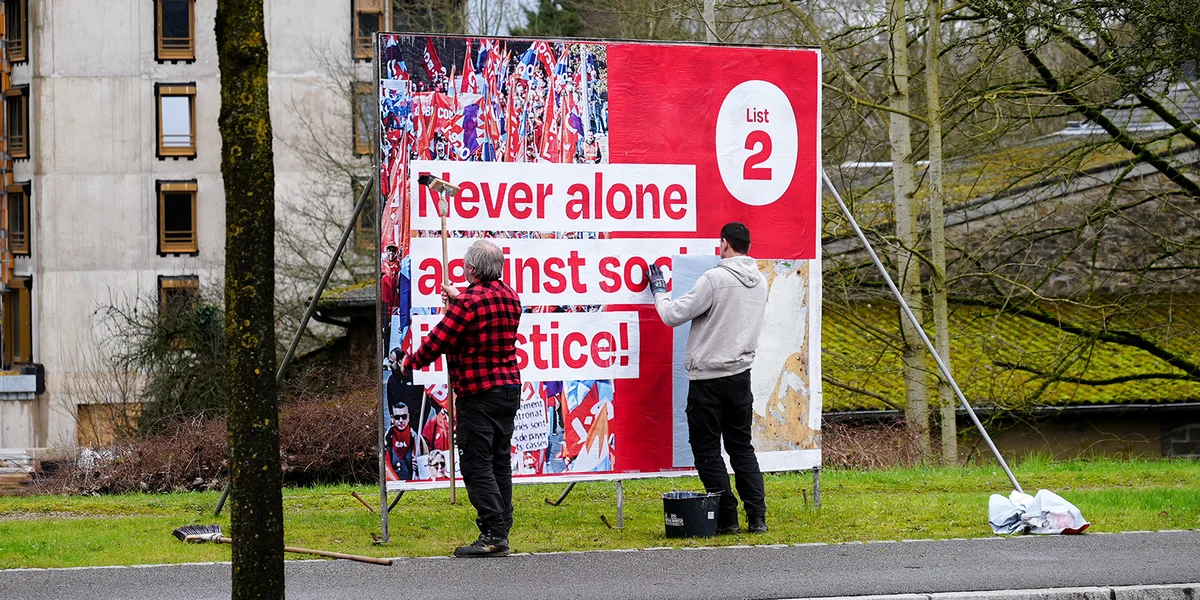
586,162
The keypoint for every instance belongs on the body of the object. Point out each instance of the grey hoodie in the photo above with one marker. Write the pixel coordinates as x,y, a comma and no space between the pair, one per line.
726,310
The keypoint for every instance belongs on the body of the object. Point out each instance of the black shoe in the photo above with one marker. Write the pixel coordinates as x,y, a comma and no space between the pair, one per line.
486,545
757,525
730,530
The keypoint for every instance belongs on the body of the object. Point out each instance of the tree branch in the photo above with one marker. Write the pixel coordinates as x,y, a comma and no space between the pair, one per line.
857,390
1096,382
1142,153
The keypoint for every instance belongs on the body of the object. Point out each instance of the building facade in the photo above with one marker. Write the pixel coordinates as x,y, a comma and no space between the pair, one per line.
112,182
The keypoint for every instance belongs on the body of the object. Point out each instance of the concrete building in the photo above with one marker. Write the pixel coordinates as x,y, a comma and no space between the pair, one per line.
111,173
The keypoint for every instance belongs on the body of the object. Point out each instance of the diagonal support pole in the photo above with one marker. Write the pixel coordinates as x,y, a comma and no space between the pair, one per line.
920,331
312,307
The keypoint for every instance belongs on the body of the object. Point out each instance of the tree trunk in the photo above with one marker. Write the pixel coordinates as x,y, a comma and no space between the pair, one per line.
904,184
937,234
248,170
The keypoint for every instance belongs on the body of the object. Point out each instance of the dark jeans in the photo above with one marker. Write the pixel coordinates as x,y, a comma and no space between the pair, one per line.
485,428
717,408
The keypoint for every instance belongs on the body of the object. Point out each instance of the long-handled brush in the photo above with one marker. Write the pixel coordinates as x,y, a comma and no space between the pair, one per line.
198,534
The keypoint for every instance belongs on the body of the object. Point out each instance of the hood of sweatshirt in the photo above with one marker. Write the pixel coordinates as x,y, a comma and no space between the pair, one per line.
744,268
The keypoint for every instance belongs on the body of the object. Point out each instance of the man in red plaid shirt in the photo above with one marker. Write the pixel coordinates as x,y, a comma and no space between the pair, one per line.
478,335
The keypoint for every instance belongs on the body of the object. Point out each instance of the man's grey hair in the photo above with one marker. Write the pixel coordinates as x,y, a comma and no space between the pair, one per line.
486,259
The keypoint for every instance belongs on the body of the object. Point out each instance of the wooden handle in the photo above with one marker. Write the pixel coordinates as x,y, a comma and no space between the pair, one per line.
450,401
367,559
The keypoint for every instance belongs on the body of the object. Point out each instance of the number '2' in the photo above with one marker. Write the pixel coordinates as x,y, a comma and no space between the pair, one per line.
751,170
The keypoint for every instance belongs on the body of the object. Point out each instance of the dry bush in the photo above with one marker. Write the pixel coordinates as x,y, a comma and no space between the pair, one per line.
188,455
865,446
327,434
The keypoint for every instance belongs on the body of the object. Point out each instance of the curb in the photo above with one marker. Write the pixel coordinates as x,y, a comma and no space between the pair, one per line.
1178,591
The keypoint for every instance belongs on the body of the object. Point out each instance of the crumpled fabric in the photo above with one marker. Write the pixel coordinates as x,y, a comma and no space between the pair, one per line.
1045,513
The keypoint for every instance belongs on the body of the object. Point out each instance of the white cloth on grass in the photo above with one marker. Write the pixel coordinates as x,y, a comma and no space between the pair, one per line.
1045,512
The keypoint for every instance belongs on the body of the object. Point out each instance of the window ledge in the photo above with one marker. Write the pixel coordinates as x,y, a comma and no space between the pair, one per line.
11,385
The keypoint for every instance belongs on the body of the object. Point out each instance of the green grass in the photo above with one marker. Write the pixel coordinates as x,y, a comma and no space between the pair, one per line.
66,531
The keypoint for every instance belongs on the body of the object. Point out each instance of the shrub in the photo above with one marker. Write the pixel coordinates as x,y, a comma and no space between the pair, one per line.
327,434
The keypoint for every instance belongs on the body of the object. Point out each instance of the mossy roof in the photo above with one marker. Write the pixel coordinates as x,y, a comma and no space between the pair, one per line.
860,352
357,295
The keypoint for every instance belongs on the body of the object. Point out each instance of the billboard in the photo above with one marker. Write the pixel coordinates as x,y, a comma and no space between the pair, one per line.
586,162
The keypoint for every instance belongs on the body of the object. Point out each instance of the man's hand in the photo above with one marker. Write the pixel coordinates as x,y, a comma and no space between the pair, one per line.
658,283
449,293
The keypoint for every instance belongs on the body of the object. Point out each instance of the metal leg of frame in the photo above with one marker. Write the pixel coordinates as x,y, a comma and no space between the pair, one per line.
396,501
816,487
570,486
620,505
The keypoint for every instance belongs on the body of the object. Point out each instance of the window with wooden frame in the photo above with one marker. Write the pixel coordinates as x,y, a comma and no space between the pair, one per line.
177,217
175,30
176,295
17,197
18,322
15,26
368,20
364,227
176,119
16,117
364,114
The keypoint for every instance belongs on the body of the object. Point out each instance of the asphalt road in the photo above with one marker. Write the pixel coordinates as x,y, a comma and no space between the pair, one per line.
737,572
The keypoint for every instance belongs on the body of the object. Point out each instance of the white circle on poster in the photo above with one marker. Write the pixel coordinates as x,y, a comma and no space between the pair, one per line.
757,142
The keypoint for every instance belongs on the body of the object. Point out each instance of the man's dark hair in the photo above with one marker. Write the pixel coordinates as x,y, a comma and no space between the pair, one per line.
737,236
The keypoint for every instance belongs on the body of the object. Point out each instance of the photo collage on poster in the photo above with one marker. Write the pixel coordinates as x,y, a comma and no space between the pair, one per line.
485,100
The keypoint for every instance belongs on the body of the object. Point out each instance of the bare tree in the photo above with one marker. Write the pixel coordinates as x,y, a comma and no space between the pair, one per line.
906,209
937,233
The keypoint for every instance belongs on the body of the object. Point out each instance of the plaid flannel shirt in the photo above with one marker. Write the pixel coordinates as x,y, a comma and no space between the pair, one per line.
478,335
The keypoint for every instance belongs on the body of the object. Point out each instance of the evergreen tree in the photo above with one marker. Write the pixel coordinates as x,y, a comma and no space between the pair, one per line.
551,19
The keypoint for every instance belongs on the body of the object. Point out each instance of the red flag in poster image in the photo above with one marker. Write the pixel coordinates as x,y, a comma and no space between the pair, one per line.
433,64
444,115
493,65
423,111
551,148
572,125
440,393
513,143
468,74
541,49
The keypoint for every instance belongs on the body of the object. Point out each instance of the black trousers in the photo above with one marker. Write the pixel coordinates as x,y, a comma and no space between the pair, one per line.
485,428
723,408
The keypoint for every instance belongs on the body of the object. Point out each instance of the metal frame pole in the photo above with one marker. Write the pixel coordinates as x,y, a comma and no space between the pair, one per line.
381,349
620,505
570,486
312,307
816,487
920,331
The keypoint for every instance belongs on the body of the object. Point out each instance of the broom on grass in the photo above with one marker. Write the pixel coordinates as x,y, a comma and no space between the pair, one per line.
198,534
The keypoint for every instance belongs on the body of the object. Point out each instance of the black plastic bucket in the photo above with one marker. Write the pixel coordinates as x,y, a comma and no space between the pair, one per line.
690,514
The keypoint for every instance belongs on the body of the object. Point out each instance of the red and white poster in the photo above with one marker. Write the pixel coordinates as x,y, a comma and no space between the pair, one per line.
587,162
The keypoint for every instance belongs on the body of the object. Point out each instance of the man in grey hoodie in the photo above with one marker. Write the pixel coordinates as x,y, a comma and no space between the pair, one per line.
726,310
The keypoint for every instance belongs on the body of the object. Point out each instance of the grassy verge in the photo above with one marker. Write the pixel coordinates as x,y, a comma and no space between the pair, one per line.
65,531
